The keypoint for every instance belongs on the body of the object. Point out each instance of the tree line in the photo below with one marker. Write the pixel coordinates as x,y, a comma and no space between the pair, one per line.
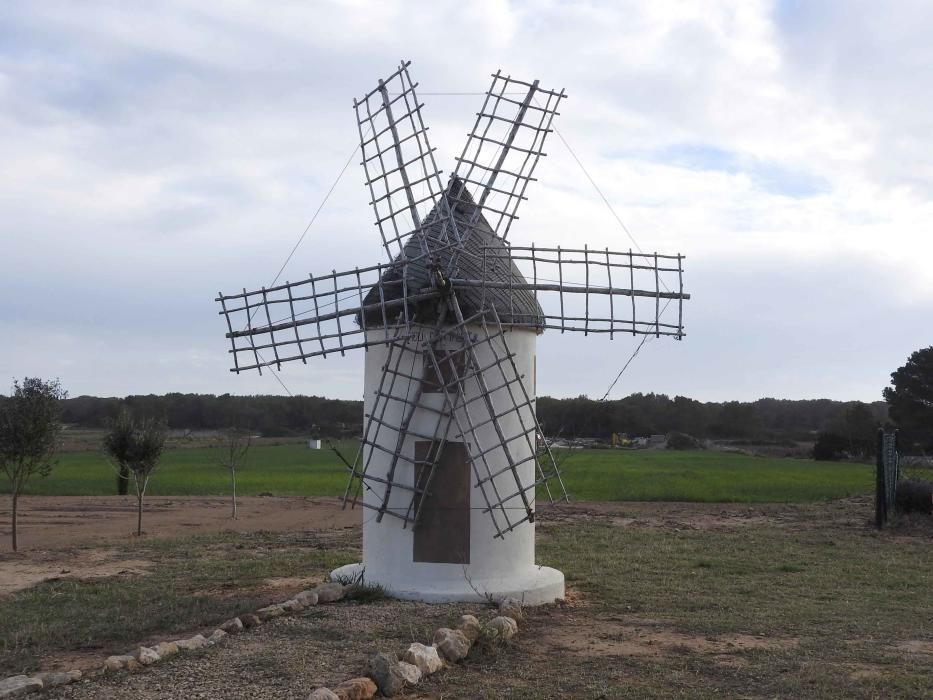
652,414
638,414
267,415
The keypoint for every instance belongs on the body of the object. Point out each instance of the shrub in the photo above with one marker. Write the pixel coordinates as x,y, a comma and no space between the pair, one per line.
830,447
682,441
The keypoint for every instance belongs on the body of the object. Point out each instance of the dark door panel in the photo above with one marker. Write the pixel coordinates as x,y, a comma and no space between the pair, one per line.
442,535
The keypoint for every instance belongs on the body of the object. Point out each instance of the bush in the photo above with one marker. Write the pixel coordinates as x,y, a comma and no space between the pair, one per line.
830,447
682,441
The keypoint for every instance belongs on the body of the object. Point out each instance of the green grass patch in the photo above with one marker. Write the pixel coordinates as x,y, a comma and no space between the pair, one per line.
756,580
708,476
283,470
194,582
844,597
590,475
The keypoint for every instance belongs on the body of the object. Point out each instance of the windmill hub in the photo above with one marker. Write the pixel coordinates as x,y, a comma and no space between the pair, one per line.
452,463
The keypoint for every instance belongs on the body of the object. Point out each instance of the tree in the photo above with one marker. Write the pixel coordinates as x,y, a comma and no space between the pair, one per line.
910,396
30,422
117,445
830,446
233,450
857,423
136,447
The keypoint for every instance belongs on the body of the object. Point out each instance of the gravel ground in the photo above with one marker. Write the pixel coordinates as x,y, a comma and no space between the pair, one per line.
285,658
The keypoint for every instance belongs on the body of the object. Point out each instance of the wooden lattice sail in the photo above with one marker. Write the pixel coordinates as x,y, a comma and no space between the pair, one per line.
444,306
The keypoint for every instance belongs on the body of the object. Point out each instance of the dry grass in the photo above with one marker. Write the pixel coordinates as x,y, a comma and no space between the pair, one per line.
784,602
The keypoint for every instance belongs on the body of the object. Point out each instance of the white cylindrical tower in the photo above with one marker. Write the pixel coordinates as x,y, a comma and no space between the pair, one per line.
453,552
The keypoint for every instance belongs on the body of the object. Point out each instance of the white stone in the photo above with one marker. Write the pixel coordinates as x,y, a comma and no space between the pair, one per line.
410,672
509,607
147,656
499,567
16,686
425,658
269,612
323,694
119,662
51,679
166,649
503,627
232,626
216,636
307,598
470,627
196,642
451,644
330,592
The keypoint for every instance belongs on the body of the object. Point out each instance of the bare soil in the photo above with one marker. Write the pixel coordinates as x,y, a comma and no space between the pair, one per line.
76,536
54,522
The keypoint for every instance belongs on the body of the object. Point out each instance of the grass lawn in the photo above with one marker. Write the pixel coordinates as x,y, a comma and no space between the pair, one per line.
708,476
194,582
590,475
844,600
832,602
284,470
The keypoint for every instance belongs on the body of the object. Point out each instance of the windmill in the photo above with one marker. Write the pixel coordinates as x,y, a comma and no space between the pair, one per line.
452,462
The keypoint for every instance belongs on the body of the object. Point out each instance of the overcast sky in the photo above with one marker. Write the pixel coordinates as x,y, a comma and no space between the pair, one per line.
156,153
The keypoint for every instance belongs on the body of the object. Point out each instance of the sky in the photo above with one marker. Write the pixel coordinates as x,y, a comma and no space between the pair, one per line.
157,153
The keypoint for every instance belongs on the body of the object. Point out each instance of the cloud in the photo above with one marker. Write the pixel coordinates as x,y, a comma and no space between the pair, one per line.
157,154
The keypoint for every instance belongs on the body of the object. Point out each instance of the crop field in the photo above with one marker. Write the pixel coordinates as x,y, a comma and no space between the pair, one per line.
590,475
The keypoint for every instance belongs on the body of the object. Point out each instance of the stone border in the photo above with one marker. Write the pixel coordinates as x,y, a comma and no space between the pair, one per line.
17,686
388,673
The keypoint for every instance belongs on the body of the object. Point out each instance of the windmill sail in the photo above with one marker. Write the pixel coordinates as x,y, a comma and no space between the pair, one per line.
587,290
503,149
319,316
401,173
447,317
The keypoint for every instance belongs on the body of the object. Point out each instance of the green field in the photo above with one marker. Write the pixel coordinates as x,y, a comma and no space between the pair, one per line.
708,476
589,475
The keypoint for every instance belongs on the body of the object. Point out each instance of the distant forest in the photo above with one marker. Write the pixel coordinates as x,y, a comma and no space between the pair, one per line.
638,414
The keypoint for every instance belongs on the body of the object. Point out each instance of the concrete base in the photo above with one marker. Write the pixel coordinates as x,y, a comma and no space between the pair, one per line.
538,586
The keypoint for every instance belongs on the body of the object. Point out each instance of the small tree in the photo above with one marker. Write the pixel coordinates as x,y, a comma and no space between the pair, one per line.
136,447
233,451
29,427
910,396
117,442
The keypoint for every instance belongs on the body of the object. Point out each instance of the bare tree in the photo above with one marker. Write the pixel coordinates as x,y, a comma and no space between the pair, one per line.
233,451
137,448
29,427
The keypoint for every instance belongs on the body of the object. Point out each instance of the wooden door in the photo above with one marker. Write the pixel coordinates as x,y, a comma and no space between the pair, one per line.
442,535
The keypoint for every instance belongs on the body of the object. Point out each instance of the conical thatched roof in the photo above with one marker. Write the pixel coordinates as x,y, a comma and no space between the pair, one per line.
513,307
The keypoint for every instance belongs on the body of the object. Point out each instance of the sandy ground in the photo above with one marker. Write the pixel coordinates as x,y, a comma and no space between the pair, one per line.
47,522
56,522
80,528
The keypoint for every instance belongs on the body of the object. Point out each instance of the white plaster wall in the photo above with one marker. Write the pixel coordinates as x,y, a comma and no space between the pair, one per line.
496,564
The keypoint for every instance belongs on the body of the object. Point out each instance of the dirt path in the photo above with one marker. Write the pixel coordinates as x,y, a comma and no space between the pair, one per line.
57,522
54,522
